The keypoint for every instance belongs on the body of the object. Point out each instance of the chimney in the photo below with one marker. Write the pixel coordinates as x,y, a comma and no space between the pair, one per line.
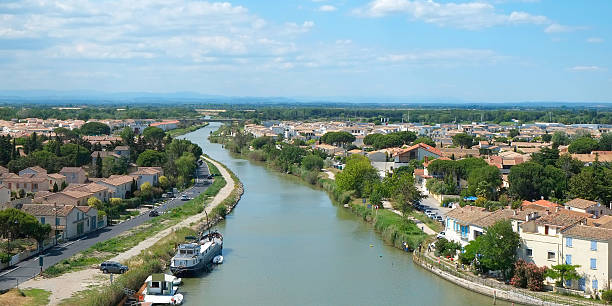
527,218
547,212
557,209
514,212
426,159
541,197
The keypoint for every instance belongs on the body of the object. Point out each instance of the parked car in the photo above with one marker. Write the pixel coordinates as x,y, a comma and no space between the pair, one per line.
439,219
428,212
153,213
184,198
113,267
441,235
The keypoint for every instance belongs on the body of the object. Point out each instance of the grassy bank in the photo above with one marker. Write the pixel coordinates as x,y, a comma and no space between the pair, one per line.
183,131
25,297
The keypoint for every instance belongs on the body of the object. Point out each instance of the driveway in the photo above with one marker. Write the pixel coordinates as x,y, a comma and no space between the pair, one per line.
25,270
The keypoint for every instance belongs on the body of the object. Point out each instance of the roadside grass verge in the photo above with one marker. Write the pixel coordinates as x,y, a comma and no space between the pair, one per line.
25,297
434,225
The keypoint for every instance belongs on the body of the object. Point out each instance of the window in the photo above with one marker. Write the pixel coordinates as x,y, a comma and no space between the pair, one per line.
529,252
593,245
568,259
568,242
568,283
594,286
593,263
546,230
551,255
42,220
57,221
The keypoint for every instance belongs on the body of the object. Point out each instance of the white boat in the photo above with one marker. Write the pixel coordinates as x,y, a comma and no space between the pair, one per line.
194,257
162,289
218,259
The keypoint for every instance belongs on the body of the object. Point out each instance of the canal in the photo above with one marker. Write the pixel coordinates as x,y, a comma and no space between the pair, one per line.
287,244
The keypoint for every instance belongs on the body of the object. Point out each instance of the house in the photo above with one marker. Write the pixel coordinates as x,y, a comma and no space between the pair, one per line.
588,247
166,125
67,197
98,191
30,183
542,204
74,175
418,151
328,149
33,171
118,185
5,195
147,174
102,155
56,179
589,207
3,170
68,221
122,151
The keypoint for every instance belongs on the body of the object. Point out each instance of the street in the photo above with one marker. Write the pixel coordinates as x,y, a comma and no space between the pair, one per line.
25,270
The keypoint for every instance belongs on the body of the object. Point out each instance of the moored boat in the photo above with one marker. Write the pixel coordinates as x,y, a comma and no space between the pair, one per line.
161,289
197,256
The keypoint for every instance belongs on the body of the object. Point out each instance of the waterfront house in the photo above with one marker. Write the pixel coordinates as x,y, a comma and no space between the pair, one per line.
418,151
69,221
74,175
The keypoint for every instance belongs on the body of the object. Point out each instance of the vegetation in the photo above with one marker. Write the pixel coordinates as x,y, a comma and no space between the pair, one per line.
528,275
357,174
447,248
562,273
382,141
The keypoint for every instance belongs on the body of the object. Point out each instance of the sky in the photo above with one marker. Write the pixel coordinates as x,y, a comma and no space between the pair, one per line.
483,50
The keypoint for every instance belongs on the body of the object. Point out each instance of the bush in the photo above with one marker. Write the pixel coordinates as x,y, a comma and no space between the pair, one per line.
447,248
4,257
607,295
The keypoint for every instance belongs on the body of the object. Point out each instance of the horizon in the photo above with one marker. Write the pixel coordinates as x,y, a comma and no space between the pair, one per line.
492,51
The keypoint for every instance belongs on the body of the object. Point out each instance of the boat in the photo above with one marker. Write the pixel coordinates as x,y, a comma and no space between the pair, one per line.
161,289
218,259
195,257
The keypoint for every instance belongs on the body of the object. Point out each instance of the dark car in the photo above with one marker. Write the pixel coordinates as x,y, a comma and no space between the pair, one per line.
153,213
113,267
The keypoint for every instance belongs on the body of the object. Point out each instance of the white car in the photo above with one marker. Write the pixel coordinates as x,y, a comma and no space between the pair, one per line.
441,235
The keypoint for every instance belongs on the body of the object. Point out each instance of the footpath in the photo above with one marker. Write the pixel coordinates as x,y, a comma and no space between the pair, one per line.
66,285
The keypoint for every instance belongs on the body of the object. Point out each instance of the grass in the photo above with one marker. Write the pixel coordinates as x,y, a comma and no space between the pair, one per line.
434,225
25,297
179,132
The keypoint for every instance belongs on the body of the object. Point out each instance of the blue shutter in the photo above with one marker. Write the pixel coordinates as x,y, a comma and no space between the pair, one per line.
568,283
593,245
568,242
581,284
595,288
593,263
42,220
568,259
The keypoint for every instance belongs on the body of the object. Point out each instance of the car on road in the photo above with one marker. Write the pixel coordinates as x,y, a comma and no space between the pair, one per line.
441,235
113,267
184,198
153,213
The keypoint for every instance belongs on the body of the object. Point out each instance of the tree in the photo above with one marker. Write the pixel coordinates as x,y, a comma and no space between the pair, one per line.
528,275
312,162
94,202
55,187
98,166
164,183
498,247
39,232
151,158
146,191
94,128
186,165
127,136
463,140
546,137
526,181
403,191
513,133
425,140
115,201
583,145
560,139
15,224
605,142
484,181
592,183
259,142
64,185
546,156
562,273
289,155
111,165
338,138
356,174
154,136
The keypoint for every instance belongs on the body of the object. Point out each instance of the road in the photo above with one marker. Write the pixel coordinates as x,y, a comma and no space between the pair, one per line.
25,270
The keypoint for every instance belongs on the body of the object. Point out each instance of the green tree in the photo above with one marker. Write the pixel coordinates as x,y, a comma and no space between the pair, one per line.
526,181
111,165
560,139
94,128
485,179
127,136
513,133
164,182
403,191
463,140
498,248
95,202
289,155
312,162
154,137
338,138
186,165
356,174
605,142
55,187
546,156
583,145
38,232
151,158
562,273
259,142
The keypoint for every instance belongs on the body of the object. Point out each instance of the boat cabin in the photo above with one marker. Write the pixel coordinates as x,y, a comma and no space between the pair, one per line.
161,284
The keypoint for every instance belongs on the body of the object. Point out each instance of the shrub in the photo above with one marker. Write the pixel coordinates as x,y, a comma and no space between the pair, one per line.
607,295
528,275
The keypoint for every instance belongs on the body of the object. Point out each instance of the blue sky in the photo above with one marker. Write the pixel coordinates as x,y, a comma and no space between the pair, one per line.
487,50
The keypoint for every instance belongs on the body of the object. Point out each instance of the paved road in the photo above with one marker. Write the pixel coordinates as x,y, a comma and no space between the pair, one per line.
27,269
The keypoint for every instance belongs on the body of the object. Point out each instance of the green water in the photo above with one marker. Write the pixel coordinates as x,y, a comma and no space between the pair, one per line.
287,244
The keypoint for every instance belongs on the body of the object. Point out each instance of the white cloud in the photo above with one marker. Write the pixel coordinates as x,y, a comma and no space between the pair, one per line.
595,40
587,68
444,56
558,28
465,15
327,8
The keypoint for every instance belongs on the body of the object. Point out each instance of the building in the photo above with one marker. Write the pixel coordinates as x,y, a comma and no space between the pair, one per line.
74,175
589,207
56,179
418,151
69,221
166,125
32,171
5,195
147,175
30,183
118,185
66,197
122,151
98,191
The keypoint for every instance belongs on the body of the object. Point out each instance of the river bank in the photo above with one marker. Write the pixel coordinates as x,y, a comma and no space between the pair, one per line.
91,287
